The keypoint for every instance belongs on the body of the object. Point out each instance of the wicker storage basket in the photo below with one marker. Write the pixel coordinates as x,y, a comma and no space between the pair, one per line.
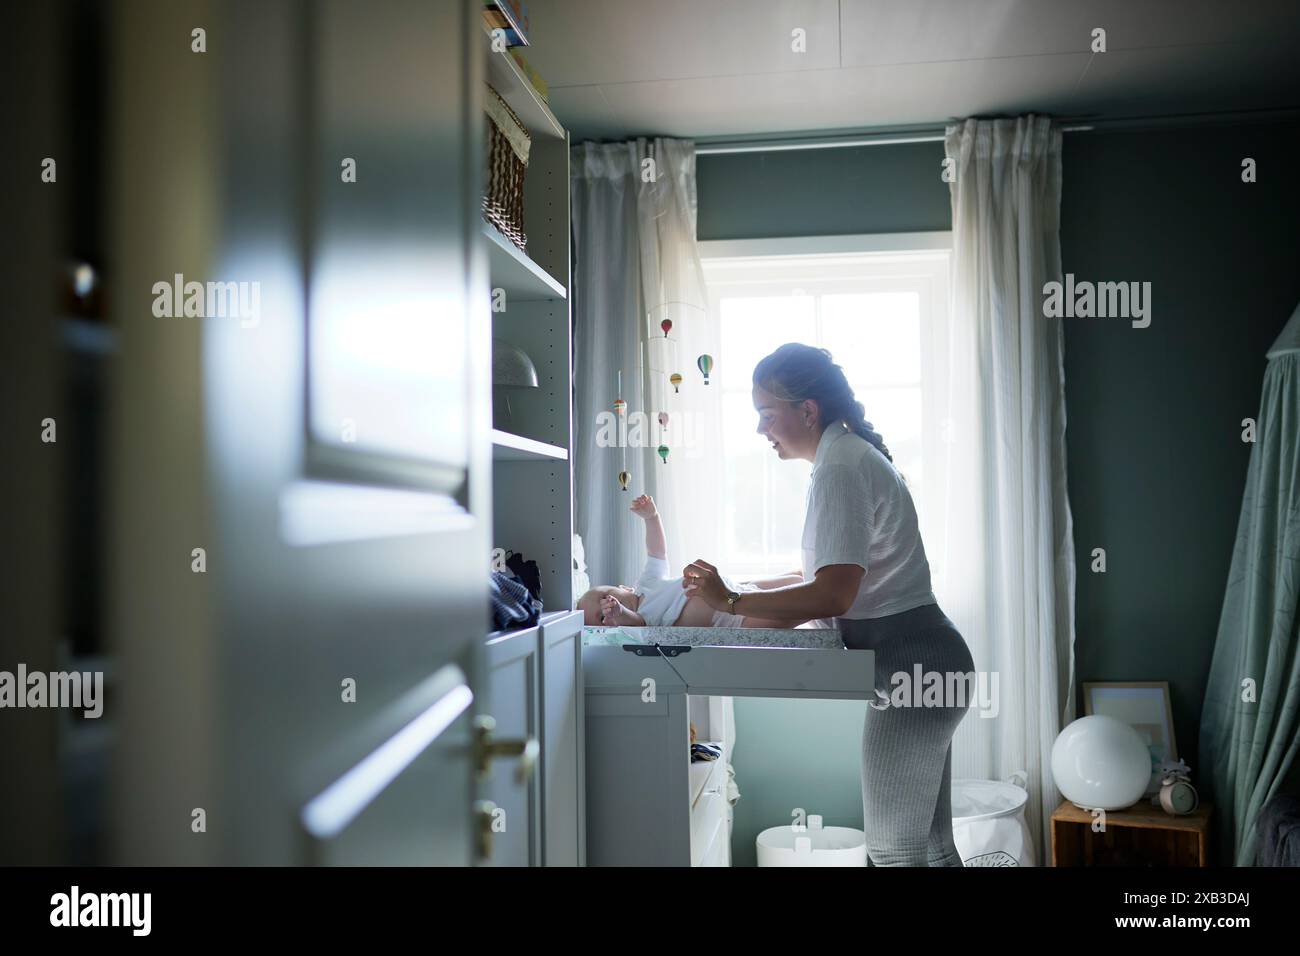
508,144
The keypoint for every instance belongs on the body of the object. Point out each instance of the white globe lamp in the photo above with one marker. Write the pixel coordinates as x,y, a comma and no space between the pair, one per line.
1100,763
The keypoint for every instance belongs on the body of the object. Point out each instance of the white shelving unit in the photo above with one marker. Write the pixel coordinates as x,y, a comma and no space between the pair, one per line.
536,685
531,450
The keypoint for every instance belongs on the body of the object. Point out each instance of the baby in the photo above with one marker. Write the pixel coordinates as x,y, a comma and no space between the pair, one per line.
657,599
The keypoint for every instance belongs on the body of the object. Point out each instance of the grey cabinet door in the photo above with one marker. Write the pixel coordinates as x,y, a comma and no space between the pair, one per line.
563,793
514,675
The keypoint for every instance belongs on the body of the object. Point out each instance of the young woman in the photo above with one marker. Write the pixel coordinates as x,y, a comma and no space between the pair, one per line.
865,567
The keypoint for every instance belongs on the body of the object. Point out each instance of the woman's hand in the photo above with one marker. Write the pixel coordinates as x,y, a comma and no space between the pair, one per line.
703,580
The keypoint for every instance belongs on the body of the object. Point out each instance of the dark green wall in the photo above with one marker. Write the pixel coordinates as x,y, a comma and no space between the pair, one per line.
1156,464
1156,461
822,192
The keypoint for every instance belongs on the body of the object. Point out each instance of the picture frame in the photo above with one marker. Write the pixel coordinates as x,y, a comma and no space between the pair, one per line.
1144,706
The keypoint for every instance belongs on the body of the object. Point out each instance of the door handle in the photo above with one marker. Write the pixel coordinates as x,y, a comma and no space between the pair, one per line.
484,815
487,748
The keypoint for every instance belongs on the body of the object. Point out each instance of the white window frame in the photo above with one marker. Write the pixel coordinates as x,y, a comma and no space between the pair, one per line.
895,259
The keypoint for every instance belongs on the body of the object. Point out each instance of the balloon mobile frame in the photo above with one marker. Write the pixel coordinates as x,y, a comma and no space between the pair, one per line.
704,363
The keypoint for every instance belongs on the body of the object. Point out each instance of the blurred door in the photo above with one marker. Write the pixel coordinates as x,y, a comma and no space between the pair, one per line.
301,506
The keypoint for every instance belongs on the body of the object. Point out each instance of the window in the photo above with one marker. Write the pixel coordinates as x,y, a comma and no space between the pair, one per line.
878,304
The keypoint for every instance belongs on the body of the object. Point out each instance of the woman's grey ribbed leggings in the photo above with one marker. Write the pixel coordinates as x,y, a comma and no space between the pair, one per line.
907,751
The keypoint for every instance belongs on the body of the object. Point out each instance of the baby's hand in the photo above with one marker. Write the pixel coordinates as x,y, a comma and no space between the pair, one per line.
643,506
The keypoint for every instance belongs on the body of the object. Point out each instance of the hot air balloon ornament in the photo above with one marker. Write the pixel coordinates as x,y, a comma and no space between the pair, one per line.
620,406
663,420
676,380
667,326
623,478
663,453
705,362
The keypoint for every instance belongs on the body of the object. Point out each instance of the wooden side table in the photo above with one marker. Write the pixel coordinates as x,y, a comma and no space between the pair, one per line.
1142,835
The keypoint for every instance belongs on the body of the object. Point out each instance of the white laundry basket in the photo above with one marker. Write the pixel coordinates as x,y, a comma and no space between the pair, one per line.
814,845
988,822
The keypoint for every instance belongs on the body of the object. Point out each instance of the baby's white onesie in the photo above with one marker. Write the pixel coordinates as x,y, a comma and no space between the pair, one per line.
662,597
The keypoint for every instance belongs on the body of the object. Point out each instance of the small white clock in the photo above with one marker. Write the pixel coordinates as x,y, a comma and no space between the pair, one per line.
1177,795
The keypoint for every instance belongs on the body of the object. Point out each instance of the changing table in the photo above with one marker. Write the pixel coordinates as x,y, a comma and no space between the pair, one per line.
647,803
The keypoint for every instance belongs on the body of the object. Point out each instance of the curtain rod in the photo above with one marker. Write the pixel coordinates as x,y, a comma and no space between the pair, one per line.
936,134
882,139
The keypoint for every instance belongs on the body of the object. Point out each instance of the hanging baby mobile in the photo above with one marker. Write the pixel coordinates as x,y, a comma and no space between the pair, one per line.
668,359
620,409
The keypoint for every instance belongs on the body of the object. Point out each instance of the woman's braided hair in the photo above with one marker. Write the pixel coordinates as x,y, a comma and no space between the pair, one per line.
795,372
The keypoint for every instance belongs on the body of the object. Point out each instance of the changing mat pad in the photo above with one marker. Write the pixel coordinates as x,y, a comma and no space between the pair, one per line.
806,637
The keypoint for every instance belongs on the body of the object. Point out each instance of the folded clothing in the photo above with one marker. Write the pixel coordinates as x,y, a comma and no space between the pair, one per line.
513,605
705,752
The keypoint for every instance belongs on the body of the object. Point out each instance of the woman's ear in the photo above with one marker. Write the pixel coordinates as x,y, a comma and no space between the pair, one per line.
810,412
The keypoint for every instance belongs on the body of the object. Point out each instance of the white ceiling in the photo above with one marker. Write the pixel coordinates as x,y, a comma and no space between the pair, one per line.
700,68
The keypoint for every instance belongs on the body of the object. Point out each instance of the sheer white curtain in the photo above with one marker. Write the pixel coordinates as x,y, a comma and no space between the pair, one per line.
636,265
1002,535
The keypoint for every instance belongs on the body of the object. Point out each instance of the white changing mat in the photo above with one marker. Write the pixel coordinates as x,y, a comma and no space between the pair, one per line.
714,636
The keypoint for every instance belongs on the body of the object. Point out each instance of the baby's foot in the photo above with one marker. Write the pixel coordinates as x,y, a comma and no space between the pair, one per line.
614,613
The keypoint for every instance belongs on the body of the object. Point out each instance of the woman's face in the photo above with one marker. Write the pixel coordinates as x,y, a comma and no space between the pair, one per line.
788,426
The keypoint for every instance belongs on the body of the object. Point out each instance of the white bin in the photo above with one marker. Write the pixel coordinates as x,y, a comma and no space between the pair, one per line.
813,845
988,823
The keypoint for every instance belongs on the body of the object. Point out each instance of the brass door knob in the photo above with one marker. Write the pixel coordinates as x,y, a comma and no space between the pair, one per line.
484,814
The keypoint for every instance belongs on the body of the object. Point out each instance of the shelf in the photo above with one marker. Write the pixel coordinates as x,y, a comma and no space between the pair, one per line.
520,95
510,269
508,447
545,619
512,633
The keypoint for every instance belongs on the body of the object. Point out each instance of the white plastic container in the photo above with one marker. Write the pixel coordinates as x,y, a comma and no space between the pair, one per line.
988,823
814,845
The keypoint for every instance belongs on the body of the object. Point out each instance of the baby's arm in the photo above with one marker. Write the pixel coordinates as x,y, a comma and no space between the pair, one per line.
644,508
781,581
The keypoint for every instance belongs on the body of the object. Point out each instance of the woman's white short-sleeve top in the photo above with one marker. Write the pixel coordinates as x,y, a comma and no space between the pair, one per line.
860,512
